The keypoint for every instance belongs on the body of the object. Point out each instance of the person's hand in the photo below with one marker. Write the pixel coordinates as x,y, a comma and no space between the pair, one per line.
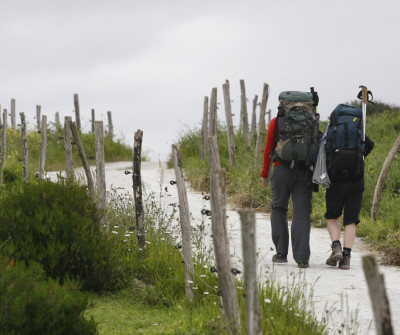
264,181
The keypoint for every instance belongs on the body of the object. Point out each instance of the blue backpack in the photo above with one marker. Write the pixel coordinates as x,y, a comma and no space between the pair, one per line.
344,143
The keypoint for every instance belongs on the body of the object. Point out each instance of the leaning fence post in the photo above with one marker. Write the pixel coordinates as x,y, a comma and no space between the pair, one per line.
13,123
86,166
212,129
254,118
24,147
229,123
204,130
248,223
137,189
261,124
382,178
43,147
4,144
77,111
243,115
377,292
69,162
226,279
101,173
185,223
38,116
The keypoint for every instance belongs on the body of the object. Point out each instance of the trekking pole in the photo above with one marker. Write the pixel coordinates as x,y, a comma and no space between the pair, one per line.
363,95
364,99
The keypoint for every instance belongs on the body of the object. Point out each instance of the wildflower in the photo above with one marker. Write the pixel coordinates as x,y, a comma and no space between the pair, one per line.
268,301
114,232
206,293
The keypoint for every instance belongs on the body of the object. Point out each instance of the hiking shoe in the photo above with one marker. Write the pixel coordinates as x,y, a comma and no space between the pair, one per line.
335,256
303,265
279,258
344,263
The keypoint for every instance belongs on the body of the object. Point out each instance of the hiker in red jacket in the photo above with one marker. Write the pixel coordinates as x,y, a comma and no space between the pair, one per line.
286,182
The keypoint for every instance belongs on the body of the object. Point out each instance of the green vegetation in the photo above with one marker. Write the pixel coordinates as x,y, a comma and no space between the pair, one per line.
60,273
33,304
245,190
114,150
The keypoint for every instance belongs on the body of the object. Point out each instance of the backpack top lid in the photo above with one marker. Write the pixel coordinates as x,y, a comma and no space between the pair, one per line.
344,109
295,96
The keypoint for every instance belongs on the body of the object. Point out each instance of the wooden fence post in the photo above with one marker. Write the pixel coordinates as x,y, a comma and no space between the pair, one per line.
101,173
248,223
43,147
261,124
24,147
13,123
4,146
226,279
110,125
77,111
377,292
38,116
212,129
244,116
57,120
204,130
93,119
185,223
137,189
85,163
229,123
254,118
382,178
69,161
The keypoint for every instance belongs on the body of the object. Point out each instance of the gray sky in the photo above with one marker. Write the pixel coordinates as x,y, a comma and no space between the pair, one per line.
152,62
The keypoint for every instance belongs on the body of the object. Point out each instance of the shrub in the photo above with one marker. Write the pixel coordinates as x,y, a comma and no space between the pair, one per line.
32,305
58,226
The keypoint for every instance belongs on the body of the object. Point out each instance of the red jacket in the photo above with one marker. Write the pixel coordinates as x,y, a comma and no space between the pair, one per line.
269,146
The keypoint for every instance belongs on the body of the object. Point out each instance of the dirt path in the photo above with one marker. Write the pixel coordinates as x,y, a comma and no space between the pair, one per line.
343,293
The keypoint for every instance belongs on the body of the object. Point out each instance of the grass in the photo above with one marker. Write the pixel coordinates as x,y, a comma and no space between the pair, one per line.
245,190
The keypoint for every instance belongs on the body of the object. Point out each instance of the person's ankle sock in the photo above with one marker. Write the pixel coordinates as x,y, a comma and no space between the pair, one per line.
347,251
335,243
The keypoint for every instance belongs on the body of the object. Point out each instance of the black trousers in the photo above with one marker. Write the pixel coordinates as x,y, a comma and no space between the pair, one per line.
287,183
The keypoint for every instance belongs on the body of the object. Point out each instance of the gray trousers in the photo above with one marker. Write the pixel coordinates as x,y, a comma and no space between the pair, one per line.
295,183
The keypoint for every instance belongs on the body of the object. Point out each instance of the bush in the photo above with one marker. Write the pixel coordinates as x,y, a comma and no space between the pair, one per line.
32,305
58,226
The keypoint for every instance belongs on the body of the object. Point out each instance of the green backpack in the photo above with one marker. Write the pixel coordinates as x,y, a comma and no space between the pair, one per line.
297,129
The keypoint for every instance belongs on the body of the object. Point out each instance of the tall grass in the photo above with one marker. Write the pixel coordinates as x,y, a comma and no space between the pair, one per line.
245,190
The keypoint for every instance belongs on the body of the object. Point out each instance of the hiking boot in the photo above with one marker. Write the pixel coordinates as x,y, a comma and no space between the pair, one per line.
344,263
303,265
279,258
336,255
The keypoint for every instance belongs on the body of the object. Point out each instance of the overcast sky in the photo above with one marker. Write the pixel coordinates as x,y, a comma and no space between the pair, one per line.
152,62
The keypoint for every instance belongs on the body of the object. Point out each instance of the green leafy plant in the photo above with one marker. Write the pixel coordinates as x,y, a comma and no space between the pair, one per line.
32,304
58,226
